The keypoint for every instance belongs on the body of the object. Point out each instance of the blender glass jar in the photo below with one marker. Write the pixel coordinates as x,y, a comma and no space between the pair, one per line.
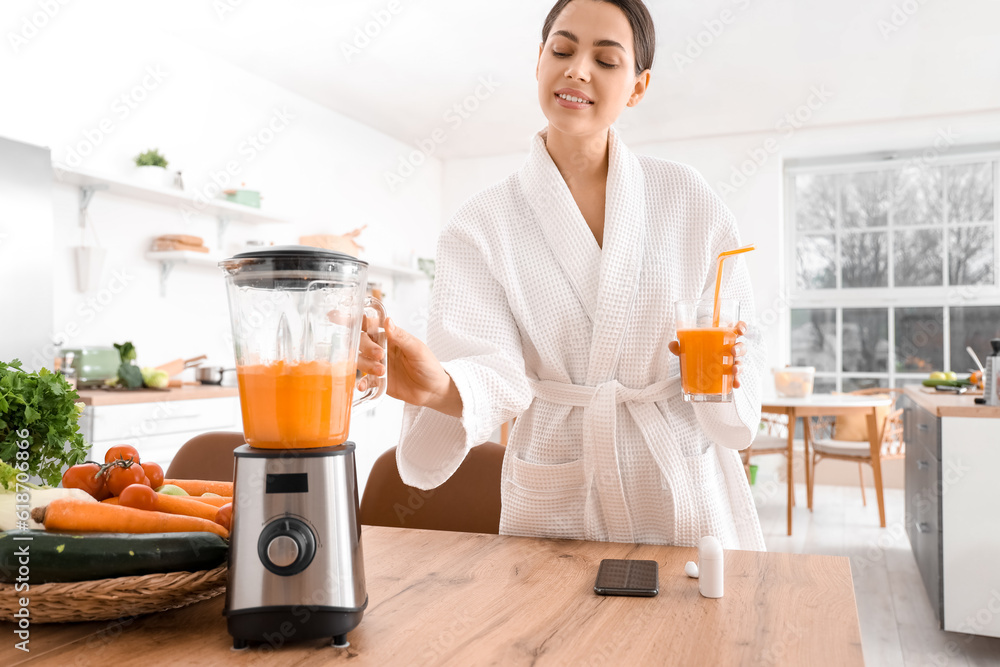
297,315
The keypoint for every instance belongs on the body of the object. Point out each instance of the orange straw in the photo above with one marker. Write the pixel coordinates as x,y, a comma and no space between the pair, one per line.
718,279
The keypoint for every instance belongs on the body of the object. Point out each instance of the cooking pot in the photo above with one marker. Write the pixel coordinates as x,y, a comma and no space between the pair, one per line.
210,374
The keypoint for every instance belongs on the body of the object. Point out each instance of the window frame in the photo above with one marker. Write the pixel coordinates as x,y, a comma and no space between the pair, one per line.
838,298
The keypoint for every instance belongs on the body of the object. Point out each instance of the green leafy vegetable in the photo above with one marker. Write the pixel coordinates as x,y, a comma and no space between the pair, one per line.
129,375
154,378
38,409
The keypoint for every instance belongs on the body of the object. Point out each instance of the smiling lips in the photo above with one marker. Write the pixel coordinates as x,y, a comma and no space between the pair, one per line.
572,101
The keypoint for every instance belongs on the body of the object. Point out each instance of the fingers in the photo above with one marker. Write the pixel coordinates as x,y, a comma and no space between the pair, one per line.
369,349
674,347
741,328
370,366
739,349
370,356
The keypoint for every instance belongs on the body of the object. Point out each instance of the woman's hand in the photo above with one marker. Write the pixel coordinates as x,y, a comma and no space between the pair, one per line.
739,349
415,374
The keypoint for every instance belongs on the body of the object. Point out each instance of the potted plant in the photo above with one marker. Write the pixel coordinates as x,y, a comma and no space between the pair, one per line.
151,169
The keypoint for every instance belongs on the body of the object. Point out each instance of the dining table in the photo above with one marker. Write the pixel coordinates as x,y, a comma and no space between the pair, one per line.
826,405
449,598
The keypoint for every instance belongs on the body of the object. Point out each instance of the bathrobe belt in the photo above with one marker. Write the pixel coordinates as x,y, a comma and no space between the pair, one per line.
600,450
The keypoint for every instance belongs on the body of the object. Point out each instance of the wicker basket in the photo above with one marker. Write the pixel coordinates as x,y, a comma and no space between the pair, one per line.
105,599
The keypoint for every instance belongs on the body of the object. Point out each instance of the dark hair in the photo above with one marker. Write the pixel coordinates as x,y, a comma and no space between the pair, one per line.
639,19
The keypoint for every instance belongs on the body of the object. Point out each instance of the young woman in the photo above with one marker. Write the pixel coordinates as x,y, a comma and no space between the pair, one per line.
553,303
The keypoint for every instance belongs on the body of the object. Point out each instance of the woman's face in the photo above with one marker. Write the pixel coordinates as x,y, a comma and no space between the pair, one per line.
590,51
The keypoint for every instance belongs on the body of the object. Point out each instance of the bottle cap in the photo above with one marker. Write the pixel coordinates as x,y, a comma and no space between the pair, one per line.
709,548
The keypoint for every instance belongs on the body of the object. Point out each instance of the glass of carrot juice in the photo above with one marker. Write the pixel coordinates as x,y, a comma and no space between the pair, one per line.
706,350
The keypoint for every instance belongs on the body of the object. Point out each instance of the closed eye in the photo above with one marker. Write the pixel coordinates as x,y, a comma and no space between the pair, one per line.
557,54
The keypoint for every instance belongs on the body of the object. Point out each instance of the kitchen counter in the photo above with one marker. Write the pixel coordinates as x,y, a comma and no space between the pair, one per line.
941,404
439,597
98,397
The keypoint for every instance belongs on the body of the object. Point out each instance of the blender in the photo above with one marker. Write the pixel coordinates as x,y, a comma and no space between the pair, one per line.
295,562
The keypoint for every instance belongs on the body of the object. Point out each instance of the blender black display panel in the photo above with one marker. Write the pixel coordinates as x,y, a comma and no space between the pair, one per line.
287,483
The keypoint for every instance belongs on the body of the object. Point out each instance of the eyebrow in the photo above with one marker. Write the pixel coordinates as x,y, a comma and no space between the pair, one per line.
597,42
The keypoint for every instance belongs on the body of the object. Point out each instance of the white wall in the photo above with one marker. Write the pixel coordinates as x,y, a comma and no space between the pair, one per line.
26,232
323,171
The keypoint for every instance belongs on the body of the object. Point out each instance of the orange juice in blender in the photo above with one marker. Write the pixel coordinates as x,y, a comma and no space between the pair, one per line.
296,405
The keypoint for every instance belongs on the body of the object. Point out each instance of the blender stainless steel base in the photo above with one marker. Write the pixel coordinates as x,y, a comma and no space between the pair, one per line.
296,569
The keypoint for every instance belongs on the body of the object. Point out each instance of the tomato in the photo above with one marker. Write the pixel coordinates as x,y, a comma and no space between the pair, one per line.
122,452
224,517
155,474
123,475
138,496
87,477
145,480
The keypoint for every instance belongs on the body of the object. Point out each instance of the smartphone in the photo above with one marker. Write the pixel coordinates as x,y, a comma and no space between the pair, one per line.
640,578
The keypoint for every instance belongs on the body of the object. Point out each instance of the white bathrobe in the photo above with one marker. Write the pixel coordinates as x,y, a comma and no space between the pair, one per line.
532,319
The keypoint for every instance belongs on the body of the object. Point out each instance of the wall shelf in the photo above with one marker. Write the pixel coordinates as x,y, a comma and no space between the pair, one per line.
187,203
170,258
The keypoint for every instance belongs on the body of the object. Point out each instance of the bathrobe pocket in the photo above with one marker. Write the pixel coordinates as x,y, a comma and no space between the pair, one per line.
543,500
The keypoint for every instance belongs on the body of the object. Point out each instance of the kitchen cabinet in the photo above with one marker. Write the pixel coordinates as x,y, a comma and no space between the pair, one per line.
156,423
952,457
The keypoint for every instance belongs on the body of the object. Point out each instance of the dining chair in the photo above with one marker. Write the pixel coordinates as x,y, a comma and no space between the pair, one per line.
207,456
772,439
468,501
889,437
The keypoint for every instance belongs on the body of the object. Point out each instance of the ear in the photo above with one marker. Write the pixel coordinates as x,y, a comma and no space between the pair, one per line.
639,91
538,65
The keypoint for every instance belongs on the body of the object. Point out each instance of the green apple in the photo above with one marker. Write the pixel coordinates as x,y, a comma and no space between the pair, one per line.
172,490
951,375
938,375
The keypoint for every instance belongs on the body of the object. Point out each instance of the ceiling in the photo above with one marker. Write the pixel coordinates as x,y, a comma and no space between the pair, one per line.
429,55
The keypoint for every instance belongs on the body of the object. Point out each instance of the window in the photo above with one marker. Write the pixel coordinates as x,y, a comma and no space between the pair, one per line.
893,272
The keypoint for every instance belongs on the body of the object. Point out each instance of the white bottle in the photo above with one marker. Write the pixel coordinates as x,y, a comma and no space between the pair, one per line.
710,567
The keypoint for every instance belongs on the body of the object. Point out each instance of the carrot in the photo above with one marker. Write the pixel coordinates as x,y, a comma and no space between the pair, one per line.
84,517
185,506
215,501
113,500
196,487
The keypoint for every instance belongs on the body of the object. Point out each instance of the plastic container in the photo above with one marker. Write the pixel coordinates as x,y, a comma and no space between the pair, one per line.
794,381
711,567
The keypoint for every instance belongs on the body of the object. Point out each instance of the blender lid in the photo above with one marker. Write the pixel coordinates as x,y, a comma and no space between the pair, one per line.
298,252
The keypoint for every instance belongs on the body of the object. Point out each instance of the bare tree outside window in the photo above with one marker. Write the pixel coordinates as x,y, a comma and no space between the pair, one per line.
909,234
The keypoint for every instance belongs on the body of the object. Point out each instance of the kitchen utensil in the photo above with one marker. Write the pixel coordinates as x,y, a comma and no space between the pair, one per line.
93,365
952,389
297,315
244,197
177,366
794,381
211,374
975,358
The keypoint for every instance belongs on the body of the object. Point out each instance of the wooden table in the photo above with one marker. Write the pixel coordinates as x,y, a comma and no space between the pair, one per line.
468,599
827,405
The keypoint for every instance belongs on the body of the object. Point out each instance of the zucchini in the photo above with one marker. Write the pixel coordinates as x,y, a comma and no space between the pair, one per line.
60,557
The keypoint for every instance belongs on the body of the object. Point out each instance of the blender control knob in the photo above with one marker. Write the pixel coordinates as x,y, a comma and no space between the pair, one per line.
286,546
283,551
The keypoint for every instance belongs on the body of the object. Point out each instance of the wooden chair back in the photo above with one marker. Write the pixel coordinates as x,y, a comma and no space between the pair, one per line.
469,501
207,456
